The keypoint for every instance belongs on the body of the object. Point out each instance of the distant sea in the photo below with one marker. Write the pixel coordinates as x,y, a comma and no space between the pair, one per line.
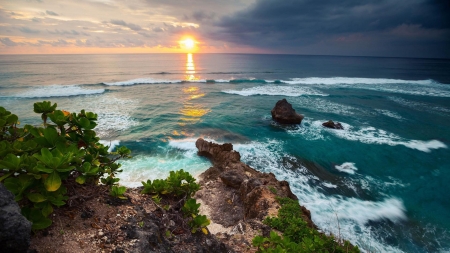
383,182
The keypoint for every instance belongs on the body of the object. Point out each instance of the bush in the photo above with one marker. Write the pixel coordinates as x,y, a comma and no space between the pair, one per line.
37,162
297,235
179,185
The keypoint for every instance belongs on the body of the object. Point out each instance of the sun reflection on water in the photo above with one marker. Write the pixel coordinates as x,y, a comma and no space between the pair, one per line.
191,112
190,69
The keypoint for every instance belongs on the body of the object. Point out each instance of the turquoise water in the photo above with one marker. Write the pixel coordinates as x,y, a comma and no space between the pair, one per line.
381,183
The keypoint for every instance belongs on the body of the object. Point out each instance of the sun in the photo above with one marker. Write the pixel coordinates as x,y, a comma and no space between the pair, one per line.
188,43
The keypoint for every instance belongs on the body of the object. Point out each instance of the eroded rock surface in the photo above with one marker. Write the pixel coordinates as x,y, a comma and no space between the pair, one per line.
15,229
285,114
236,197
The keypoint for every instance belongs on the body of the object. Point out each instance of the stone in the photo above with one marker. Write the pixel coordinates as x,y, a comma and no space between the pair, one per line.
285,114
233,178
331,124
15,229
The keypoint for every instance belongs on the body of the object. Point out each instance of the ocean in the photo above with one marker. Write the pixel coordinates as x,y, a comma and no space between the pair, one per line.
383,182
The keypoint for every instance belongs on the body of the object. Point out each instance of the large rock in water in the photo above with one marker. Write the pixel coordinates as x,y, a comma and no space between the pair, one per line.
331,124
15,229
285,114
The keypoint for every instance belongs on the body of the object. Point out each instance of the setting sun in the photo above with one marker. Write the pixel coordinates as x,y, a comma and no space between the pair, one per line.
188,43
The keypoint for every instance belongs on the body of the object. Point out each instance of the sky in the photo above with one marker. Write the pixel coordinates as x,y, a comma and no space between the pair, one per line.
391,28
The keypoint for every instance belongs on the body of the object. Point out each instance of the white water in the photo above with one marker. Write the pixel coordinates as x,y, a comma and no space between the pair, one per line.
56,91
313,130
273,90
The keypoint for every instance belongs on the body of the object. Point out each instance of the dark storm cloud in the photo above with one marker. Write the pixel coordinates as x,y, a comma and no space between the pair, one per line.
133,27
293,23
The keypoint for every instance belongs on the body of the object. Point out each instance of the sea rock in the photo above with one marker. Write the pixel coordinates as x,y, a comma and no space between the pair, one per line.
218,154
15,229
331,124
285,114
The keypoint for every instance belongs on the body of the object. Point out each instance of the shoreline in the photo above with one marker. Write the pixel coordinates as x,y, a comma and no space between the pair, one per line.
99,223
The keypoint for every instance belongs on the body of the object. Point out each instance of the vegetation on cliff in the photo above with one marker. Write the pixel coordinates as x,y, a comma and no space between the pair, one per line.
38,164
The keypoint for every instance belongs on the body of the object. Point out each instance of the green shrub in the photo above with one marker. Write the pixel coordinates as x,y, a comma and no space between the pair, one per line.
36,162
118,191
179,185
297,235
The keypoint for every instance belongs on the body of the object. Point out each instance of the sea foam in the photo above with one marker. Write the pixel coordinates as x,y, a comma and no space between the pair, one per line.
144,167
411,87
354,80
313,130
57,91
371,135
273,90
347,167
111,144
343,216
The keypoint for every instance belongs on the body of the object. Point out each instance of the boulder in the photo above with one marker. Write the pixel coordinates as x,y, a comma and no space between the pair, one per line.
285,114
233,178
15,229
331,124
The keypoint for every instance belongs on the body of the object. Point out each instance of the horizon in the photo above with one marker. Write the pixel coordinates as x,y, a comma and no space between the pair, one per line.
206,53
414,29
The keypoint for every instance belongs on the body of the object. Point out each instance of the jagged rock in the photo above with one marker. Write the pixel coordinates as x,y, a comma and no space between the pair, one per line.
233,194
331,124
217,153
15,229
233,178
285,114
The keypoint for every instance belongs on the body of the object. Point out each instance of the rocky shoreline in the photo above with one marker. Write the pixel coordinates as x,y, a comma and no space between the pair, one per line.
235,197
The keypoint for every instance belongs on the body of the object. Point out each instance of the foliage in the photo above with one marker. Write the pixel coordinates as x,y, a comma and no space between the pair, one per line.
297,235
37,162
180,185
118,191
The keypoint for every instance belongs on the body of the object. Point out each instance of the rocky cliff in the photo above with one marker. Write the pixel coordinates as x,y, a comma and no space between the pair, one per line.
237,197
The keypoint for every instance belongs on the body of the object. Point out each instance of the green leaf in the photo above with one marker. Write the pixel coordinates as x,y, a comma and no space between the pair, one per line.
46,156
80,179
37,218
51,135
36,197
10,162
44,107
43,168
47,209
85,123
53,182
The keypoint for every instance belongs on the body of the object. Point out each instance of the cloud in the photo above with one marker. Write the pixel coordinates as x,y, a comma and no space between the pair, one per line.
133,27
8,42
202,15
290,24
28,30
51,13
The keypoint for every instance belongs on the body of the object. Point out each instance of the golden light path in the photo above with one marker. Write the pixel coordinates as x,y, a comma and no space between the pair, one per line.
191,111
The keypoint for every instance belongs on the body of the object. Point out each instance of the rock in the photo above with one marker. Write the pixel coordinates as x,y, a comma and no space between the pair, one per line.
234,195
233,178
15,229
217,153
331,124
285,114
